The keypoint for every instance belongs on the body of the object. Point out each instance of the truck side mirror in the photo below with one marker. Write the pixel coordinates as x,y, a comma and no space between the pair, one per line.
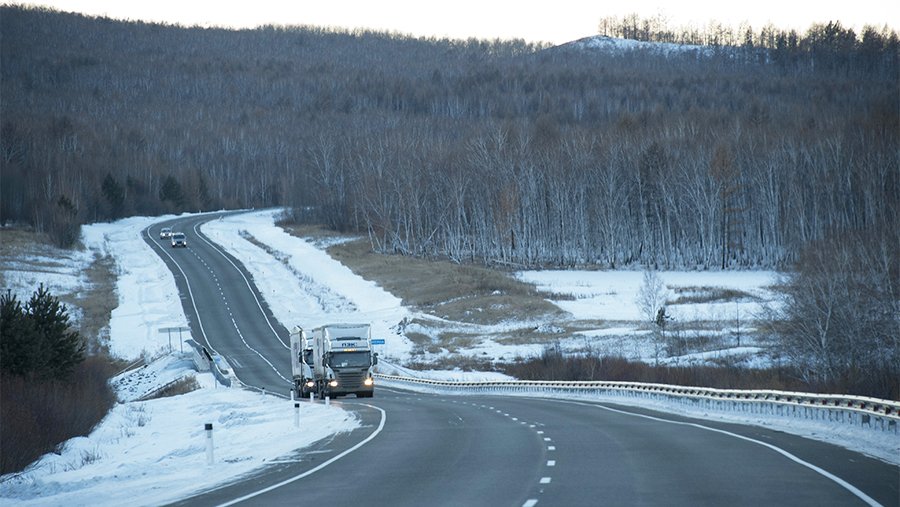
375,359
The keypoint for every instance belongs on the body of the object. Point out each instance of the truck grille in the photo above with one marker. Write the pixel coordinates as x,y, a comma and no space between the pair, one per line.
350,380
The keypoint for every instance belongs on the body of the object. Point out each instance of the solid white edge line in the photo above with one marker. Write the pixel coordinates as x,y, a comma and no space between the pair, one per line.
316,469
828,475
530,503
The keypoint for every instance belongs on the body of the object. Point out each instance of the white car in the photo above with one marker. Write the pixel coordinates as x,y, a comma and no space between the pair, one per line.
178,239
165,232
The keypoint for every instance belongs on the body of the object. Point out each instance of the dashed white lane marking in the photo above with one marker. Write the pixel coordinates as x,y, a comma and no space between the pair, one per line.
550,463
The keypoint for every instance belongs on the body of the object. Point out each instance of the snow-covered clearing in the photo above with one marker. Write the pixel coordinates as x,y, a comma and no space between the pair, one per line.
152,452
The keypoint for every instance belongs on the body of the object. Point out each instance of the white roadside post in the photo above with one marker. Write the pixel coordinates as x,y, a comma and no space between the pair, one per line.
311,400
209,444
296,415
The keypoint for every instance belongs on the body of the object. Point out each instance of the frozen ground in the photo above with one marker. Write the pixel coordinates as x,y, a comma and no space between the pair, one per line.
154,451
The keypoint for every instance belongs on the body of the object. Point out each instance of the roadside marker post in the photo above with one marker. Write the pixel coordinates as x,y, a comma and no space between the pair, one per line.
209,444
296,415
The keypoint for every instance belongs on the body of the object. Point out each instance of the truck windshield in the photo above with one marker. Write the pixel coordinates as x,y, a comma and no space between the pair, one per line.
350,359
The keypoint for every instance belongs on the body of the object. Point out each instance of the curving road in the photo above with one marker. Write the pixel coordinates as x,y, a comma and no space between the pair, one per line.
415,449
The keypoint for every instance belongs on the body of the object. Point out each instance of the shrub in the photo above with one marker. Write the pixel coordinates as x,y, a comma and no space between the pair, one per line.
37,415
553,365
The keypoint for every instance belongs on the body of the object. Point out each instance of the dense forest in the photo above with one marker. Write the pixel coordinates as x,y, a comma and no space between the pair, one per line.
498,152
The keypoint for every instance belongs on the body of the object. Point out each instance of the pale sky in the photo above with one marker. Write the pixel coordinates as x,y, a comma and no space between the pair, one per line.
555,21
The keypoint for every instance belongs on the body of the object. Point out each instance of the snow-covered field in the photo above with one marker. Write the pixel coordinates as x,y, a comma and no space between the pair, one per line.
152,452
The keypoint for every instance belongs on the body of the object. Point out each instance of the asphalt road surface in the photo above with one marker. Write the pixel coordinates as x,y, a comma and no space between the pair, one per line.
432,450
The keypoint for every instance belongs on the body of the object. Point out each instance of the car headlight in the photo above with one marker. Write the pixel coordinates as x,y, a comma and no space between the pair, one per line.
369,382
333,383
310,383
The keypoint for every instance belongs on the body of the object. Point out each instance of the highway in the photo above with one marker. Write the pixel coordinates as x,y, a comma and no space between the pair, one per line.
424,449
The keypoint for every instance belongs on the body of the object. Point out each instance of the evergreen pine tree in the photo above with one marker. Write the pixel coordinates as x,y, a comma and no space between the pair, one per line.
18,337
61,347
37,340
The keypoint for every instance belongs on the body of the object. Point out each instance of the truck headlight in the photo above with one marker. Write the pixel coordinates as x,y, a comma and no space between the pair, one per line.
310,383
333,383
369,382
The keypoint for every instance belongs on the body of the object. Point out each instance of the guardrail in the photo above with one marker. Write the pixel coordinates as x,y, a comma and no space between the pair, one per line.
869,413
205,362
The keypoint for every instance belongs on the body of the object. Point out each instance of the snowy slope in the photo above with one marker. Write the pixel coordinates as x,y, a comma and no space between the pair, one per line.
615,45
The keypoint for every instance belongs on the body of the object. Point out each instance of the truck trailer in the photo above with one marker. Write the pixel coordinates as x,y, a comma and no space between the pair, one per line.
333,360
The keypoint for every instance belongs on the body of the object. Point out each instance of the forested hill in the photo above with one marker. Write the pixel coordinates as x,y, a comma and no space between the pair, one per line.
485,151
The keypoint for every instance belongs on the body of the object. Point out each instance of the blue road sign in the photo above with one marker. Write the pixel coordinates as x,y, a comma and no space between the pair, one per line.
379,341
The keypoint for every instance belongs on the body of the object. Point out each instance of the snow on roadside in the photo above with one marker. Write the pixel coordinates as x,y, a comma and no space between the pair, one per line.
303,285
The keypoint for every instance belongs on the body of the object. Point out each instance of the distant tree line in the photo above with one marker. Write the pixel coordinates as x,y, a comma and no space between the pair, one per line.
497,152
874,49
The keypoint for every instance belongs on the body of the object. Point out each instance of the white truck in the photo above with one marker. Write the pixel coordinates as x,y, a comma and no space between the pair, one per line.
333,360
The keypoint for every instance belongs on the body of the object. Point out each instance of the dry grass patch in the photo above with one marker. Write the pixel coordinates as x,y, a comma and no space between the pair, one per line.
181,386
696,295
462,293
98,301
464,363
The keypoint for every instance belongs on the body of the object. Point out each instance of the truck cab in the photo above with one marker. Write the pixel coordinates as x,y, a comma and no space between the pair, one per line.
334,360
